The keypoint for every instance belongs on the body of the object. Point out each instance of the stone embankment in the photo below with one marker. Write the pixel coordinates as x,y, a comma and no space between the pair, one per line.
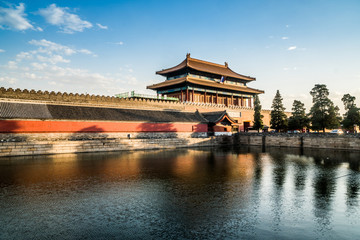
302,140
56,143
39,144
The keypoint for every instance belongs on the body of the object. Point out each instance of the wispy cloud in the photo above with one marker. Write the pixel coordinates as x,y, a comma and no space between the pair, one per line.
49,47
285,38
291,48
101,26
289,68
68,22
116,43
86,51
14,18
2,50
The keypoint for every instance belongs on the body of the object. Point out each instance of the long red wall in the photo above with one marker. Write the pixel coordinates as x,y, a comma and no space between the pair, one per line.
38,126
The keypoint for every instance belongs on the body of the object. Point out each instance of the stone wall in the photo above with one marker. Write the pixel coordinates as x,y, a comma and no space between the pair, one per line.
77,99
323,141
111,101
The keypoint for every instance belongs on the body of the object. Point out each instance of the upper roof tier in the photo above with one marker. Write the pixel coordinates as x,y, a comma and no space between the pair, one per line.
204,66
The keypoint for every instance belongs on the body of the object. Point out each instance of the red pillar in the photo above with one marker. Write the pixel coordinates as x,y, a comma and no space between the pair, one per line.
187,94
204,97
242,101
217,96
193,100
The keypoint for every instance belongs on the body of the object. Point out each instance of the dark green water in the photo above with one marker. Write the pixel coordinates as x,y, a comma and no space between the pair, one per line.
182,194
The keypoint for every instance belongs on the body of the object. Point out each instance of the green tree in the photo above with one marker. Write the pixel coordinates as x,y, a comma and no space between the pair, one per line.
258,122
349,101
323,113
352,115
278,117
333,119
298,119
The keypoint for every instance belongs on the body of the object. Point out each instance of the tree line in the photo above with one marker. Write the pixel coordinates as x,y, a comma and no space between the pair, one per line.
322,115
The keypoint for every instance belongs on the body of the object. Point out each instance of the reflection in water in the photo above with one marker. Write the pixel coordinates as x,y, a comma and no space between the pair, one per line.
185,193
324,189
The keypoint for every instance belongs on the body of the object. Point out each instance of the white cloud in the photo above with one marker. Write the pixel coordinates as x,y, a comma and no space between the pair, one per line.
49,48
30,75
116,43
23,55
8,80
68,22
14,18
289,68
2,50
291,48
12,65
39,66
87,52
46,67
285,38
101,26
53,59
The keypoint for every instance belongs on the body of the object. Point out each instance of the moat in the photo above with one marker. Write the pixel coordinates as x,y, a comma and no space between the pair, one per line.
202,193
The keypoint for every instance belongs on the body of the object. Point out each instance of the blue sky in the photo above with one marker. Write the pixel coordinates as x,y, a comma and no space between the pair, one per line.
108,47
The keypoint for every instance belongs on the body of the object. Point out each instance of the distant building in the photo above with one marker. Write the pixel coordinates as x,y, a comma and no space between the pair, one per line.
199,81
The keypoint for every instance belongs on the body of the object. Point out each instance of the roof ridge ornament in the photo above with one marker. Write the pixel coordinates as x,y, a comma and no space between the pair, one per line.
226,64
188,55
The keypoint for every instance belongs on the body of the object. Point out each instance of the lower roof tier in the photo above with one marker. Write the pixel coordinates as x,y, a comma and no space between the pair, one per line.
209,84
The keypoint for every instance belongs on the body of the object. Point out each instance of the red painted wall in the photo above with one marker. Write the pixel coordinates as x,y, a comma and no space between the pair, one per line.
38,126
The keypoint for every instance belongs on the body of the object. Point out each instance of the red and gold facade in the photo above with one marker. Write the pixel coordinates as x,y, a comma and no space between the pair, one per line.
198,81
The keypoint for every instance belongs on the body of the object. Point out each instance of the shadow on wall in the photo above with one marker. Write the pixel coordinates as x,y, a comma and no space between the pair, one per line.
157,130
88,137
89,133
8,133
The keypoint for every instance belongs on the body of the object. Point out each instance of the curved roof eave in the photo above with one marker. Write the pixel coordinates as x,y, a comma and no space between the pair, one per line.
204,66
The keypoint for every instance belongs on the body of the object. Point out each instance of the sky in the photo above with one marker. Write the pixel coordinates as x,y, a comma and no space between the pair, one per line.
108,47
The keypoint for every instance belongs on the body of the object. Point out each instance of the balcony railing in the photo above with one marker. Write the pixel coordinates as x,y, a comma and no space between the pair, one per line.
132,94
